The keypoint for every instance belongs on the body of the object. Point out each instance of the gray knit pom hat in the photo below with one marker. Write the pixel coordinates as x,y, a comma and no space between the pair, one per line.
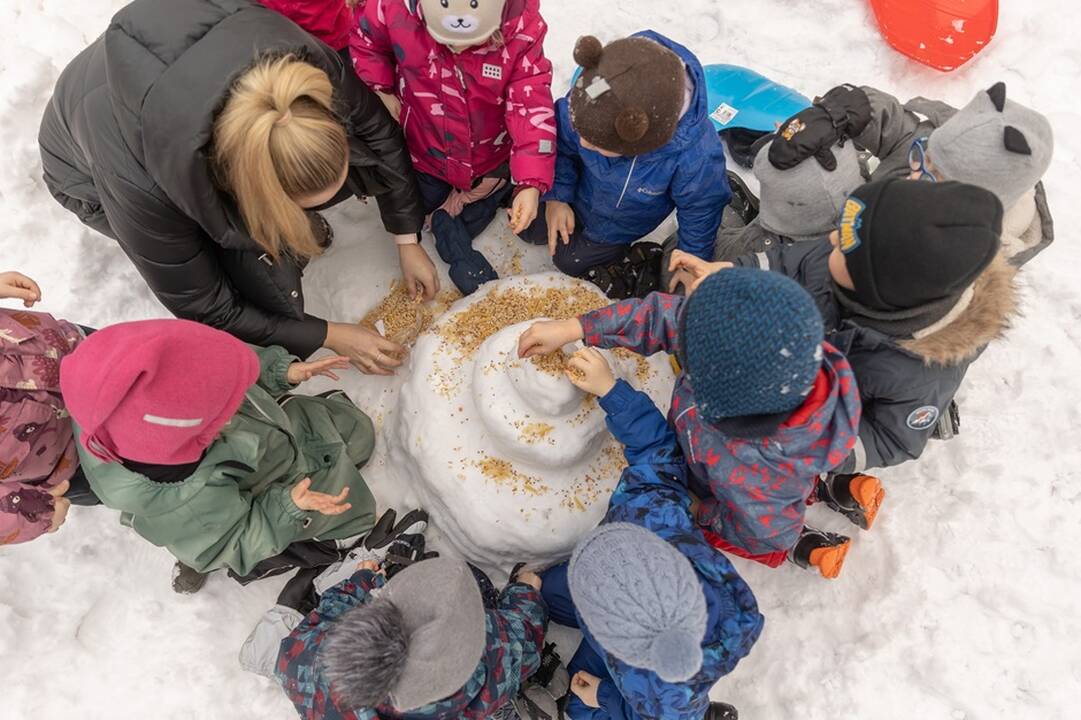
804,201
994,143
641,599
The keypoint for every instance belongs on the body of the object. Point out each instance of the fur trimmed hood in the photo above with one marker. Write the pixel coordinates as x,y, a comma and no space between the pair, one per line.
994,305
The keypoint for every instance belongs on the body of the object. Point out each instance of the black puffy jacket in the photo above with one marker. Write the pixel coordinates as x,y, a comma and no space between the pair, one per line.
125,146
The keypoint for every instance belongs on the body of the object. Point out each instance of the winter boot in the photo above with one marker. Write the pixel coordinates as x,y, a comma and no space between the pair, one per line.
721,711
949,423
744,205
540,695
645,258
825,551
468,268
186,580
617,280
857,497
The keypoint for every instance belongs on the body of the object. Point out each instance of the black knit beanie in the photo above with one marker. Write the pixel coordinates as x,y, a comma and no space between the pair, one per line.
629,96
908,244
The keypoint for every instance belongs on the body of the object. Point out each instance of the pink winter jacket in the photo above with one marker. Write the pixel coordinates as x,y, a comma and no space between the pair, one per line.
464,114
37,447
329,20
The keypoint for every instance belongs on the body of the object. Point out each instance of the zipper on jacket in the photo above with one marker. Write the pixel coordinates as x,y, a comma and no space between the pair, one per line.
628,182
690,443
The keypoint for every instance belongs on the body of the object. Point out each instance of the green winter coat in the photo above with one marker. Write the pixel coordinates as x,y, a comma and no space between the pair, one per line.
235,509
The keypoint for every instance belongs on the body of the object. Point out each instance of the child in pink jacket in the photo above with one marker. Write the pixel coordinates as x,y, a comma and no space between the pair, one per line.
38,461
469,83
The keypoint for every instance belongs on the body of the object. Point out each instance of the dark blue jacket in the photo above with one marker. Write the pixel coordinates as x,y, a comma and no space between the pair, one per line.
653,494
621,199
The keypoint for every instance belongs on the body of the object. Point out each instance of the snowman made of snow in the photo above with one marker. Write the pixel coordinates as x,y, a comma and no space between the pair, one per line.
512,461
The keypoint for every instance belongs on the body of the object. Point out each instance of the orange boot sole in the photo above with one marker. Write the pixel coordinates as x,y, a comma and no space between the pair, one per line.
830,560
867,490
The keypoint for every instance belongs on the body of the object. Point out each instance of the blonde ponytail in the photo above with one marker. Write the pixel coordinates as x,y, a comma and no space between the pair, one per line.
275,140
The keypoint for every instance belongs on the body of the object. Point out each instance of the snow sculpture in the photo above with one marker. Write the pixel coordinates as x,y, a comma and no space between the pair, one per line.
513,462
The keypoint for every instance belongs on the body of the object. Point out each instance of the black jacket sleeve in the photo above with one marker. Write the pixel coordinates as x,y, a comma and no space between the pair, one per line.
183,268
368,120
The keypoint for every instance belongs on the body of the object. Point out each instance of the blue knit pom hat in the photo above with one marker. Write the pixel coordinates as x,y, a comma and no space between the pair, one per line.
640,599
751,344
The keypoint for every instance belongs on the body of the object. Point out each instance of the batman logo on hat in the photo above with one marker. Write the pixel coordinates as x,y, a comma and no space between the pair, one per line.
851,221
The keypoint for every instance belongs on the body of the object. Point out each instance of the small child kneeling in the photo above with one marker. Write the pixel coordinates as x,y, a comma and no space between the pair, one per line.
635,143
420,645
764,406
663,615
193,436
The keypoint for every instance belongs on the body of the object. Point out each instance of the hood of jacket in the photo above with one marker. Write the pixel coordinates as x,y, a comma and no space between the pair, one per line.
518,16
1027,228
170,67
989,314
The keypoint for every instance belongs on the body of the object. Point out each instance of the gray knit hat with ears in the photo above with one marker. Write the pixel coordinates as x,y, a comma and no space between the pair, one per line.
641,599
993,143
806,200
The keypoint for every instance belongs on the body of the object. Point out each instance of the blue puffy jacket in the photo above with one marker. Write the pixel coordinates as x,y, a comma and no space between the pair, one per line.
621,199
653,494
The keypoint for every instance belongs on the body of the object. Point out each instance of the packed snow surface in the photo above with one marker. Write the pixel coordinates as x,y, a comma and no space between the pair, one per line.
961,604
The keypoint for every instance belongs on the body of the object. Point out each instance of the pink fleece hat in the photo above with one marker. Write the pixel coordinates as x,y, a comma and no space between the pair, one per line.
155,391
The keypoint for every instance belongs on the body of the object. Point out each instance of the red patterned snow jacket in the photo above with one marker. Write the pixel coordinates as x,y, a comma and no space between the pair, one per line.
464,114
37,448
329,20
759,487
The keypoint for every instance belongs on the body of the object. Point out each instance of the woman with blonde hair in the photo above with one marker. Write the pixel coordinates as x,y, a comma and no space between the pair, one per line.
202,136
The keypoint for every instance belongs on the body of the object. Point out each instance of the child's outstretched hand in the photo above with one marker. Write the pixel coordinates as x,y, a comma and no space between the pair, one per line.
588,370
17,285
300,372
548,336
524,209
530,578
689,270
586,687
559,217
307,499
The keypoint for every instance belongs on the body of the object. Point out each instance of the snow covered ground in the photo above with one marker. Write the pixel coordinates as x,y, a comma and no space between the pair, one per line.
962,604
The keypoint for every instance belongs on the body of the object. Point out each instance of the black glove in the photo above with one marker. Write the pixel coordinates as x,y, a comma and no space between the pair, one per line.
841,113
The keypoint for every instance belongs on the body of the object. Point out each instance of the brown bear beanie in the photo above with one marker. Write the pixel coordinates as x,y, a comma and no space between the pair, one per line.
630,95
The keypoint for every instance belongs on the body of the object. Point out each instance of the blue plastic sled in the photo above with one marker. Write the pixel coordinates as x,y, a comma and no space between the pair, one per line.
741,98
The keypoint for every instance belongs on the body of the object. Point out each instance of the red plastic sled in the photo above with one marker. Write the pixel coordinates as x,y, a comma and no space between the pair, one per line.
944,34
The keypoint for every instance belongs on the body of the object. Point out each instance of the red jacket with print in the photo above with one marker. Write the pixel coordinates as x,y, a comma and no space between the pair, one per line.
759,488
464,114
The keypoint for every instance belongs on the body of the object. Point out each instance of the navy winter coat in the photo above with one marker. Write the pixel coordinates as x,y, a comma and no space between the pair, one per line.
619,200
904,385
